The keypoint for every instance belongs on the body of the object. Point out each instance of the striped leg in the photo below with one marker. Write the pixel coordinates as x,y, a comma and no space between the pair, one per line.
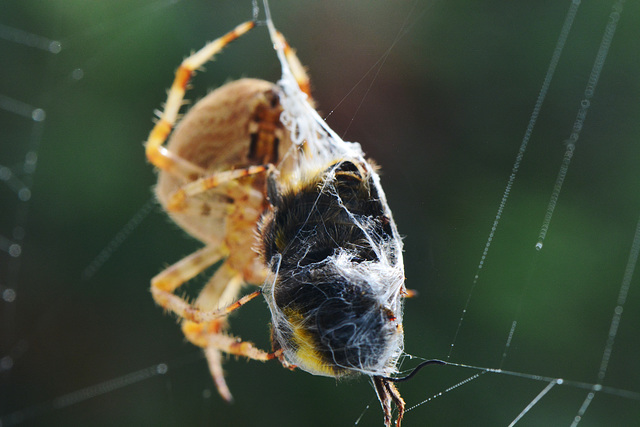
296,66
180,199
165,283
221,290
157,154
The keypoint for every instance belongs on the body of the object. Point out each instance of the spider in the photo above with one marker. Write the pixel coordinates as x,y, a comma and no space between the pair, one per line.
254,173
212,183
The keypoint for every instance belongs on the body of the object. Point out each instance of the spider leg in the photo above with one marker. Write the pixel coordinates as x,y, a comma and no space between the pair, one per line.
179,200
221,289
209,336
157,154
187,268
165,283
296,66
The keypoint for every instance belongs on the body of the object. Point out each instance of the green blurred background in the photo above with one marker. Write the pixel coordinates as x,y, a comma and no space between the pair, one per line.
444,114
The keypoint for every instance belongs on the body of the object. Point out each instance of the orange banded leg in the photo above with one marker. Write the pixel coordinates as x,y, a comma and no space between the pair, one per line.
165,283
198,334
294,63
186,311
221,289
179,199
156,153
209,337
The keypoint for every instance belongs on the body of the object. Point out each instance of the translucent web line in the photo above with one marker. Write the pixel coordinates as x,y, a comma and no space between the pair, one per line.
626,394
404,29
615,321
447,390
357,421
601,56
105,387
622,298
526,283
84,394
97,390
555,58
120,237
20,183
19,180
533,402
29,39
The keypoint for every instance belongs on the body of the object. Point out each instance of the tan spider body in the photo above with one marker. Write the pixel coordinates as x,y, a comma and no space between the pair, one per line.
212,183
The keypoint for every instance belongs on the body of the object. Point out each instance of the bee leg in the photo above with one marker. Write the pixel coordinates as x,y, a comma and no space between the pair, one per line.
274,192
384,398
387,393
398,400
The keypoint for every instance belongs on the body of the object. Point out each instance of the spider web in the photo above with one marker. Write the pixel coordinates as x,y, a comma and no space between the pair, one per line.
534,337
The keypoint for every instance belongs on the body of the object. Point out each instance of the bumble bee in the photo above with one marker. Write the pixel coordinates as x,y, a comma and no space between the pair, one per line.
335,295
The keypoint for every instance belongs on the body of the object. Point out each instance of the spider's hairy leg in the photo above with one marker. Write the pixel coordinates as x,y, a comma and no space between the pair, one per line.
171,278
165,283
207,336
296,66
180,199
221,290
157,154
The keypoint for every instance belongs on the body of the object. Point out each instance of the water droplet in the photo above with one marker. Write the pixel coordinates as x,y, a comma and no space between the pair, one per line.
6,363
5,173
15,250
9,295
38,115
24,194
55,46
77,74
31,157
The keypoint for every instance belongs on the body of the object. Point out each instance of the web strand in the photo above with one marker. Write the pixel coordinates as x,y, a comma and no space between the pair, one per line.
578,124
615,322
534,402
553,63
